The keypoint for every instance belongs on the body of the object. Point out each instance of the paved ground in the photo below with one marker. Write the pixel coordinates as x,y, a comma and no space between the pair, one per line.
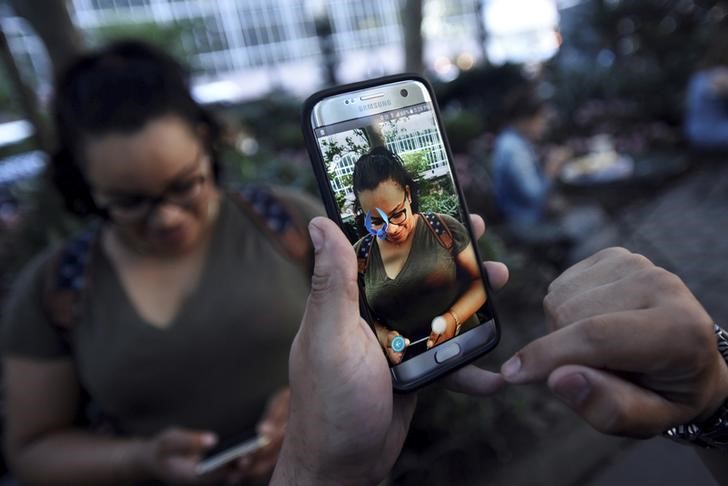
686,231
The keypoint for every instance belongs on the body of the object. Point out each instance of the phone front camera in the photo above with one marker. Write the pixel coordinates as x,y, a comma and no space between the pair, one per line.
404,93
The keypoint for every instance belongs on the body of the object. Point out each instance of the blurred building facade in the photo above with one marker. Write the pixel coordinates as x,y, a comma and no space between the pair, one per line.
275,43
243,49
425,141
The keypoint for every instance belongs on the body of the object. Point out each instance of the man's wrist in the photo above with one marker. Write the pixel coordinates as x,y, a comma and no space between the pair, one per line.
138,463
720,397
710,428
133,460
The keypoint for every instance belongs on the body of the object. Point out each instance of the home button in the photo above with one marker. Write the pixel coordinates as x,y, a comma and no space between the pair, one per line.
447,352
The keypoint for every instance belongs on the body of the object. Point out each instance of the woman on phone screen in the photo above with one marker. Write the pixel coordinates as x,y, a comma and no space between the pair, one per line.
419,270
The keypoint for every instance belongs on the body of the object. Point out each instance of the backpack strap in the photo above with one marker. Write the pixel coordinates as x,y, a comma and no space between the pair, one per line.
439,228
66,281
67,278
277,220
362,253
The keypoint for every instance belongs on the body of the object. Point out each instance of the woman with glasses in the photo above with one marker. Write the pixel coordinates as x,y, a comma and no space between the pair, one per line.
411,274
180,335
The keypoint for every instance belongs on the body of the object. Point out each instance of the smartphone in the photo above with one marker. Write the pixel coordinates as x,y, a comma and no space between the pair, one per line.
385,173
228,451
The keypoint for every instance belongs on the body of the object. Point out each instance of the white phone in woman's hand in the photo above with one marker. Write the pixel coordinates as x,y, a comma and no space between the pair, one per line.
228,452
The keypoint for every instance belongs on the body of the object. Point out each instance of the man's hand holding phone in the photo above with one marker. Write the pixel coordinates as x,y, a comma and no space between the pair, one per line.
346,424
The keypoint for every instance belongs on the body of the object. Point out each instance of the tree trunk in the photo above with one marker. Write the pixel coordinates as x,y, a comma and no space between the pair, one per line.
27,97
52,22
413,43
374,135
482,32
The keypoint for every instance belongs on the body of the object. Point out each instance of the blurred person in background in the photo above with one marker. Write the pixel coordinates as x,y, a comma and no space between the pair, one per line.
165,327
524,182
706,118
630,350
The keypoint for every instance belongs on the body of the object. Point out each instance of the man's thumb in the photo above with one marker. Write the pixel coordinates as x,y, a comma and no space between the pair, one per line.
334,297
611,404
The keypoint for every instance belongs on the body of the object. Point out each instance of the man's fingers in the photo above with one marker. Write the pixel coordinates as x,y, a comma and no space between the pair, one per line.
333,304
478,225
612,405
497,274
608,266
472,380
624,341
587,263
593,302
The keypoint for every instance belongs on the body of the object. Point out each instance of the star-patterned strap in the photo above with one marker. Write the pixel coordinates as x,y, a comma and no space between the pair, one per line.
275,219
67,278
438,227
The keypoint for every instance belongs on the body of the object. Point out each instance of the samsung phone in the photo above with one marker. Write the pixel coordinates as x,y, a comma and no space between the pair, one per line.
230,450
385,173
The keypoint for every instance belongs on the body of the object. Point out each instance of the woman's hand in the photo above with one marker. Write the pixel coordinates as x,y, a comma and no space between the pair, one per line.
173,454
450,328
394,356
385,336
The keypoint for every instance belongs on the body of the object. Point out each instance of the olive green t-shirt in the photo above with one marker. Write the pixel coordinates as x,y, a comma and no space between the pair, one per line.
214,367
427,285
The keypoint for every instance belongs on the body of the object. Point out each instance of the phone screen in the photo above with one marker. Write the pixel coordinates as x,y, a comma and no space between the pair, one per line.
396,195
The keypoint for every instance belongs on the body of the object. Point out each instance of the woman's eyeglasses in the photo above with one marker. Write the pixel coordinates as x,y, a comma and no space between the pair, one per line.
136,207
395,217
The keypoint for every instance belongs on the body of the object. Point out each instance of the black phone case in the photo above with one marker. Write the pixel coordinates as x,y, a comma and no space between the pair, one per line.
332,209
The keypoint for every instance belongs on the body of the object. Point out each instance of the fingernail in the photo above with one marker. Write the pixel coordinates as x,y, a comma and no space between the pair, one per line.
511,367
266,429
317,236
209,440
573,388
